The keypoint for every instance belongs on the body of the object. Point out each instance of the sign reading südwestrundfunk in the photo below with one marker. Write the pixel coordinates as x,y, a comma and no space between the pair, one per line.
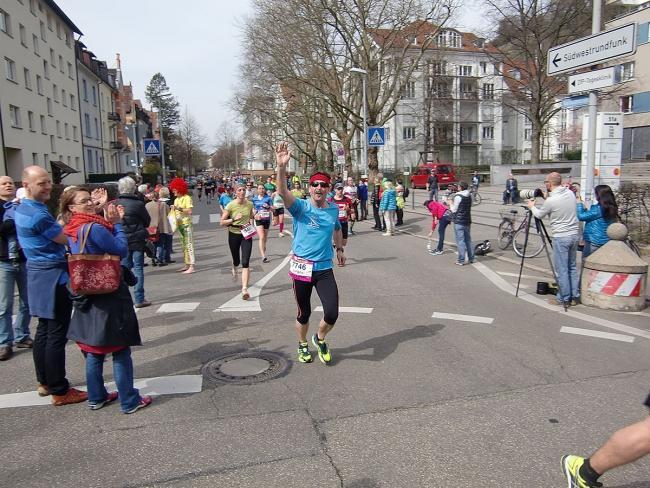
591,50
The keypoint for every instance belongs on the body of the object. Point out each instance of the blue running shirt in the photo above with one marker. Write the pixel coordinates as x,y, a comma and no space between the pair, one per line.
312,232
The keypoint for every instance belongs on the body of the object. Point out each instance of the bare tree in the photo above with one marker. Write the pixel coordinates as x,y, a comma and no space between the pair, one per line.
229,147
188,143
527,29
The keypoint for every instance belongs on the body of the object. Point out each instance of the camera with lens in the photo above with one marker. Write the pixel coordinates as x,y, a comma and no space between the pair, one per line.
529,194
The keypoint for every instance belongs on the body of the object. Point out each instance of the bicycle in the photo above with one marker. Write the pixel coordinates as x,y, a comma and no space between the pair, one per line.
508,234
474,194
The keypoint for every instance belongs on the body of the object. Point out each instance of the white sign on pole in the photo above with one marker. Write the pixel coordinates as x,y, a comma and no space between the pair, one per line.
614,43
592,80
609,135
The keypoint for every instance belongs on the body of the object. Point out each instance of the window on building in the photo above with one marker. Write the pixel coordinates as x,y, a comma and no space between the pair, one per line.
84,89
87,133
39,84
488,91
483,65
488,132
43,31
35,159
626,71
94,95
643,33
626,102
32,6
5,22
49,106
76,162
58,29
55,93
46,69
96,128
464,70
467,134
89,154
52,58
43,125
67,38
46,157
52,144
528,134
408,133
453,39
73,102
28,78
30,120
14,116
61,64
66,130
64,98
409,90
70,71
58,129
10,70
75,133
50,24
439,67
23,34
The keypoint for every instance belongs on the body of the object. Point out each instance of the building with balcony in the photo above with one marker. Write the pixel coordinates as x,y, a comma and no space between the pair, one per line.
449,107
96,86
39,109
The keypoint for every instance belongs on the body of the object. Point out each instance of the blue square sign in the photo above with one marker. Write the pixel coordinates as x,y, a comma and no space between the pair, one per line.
376,136
151,147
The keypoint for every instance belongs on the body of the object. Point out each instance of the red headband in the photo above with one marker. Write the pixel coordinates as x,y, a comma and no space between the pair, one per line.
320,177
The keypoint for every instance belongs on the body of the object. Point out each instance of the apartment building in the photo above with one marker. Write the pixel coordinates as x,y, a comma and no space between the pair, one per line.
450,106
98,127
39,110
633,96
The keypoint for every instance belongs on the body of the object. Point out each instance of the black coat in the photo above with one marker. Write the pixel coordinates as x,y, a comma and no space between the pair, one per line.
135,222
105,320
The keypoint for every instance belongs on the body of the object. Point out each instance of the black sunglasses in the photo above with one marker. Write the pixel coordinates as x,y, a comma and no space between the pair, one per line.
322,184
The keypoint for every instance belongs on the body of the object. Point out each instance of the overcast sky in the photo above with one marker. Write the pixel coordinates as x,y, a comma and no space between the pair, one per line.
195,44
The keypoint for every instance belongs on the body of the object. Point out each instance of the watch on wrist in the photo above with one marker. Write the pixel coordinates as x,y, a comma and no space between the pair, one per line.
339,249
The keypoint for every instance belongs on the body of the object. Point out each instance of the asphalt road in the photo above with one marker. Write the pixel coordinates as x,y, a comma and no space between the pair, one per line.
450,380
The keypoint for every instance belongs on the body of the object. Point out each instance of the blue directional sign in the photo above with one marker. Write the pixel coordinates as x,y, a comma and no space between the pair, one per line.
376,136
151,147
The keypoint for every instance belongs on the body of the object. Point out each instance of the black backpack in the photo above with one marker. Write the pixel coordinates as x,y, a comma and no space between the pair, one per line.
406,192
482,248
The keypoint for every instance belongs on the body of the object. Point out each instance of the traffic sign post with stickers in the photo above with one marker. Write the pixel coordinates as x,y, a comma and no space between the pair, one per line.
588,52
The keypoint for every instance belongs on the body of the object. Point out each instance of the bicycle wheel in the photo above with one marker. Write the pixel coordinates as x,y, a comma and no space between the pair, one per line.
476,199
504,234
535,243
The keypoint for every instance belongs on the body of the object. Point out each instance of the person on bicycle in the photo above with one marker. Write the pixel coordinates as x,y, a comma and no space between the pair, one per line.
475,181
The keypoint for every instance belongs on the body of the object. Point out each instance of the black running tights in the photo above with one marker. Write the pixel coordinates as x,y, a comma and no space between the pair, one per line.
237,241
327,291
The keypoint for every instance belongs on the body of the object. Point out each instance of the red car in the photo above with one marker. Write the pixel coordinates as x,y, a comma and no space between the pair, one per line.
445,171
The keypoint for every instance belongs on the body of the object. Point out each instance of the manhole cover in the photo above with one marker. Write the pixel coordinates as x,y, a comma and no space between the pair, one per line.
246,368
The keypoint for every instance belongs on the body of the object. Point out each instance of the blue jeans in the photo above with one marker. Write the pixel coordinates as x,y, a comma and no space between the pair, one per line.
433,193
590,248
135,261
464,243
122,372
10,276
164,248
564,259
442,227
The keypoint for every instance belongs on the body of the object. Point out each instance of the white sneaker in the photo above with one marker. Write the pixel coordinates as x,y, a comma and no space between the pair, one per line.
387,234
280,234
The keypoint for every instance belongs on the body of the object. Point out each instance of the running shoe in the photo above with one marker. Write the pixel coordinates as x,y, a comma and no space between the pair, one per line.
265,259
304,354
323,351
112,396
145,401
571,466
437,253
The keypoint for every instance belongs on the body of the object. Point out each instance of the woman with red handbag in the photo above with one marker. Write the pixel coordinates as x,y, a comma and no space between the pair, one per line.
102,323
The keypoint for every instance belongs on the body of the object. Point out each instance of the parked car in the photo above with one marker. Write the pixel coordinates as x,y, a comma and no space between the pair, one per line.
445,171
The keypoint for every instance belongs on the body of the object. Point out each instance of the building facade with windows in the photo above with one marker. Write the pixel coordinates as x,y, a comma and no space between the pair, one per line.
633,96
98,127
38,94
451,106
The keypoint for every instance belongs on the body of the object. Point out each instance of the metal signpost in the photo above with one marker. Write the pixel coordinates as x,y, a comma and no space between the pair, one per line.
589,51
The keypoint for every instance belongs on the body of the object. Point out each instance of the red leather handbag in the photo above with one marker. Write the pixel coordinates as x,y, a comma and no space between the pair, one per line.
93,274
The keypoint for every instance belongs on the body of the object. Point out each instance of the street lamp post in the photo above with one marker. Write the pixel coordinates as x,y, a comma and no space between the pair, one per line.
364,158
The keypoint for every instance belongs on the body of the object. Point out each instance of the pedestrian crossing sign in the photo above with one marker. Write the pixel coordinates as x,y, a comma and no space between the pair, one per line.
151,147
376,136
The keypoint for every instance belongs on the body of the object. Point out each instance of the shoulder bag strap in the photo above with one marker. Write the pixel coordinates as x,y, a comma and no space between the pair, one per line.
84,238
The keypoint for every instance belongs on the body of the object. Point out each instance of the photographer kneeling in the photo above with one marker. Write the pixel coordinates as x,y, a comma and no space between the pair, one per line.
561,208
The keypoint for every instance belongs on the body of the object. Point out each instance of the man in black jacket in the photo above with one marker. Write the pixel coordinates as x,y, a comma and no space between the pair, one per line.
461,208
13,272
135,222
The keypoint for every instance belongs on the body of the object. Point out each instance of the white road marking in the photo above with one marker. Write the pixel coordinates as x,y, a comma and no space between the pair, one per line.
348,309
530,277
195,219
462,318
162,385
215,218
504,286
596,333
521,286
178,307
